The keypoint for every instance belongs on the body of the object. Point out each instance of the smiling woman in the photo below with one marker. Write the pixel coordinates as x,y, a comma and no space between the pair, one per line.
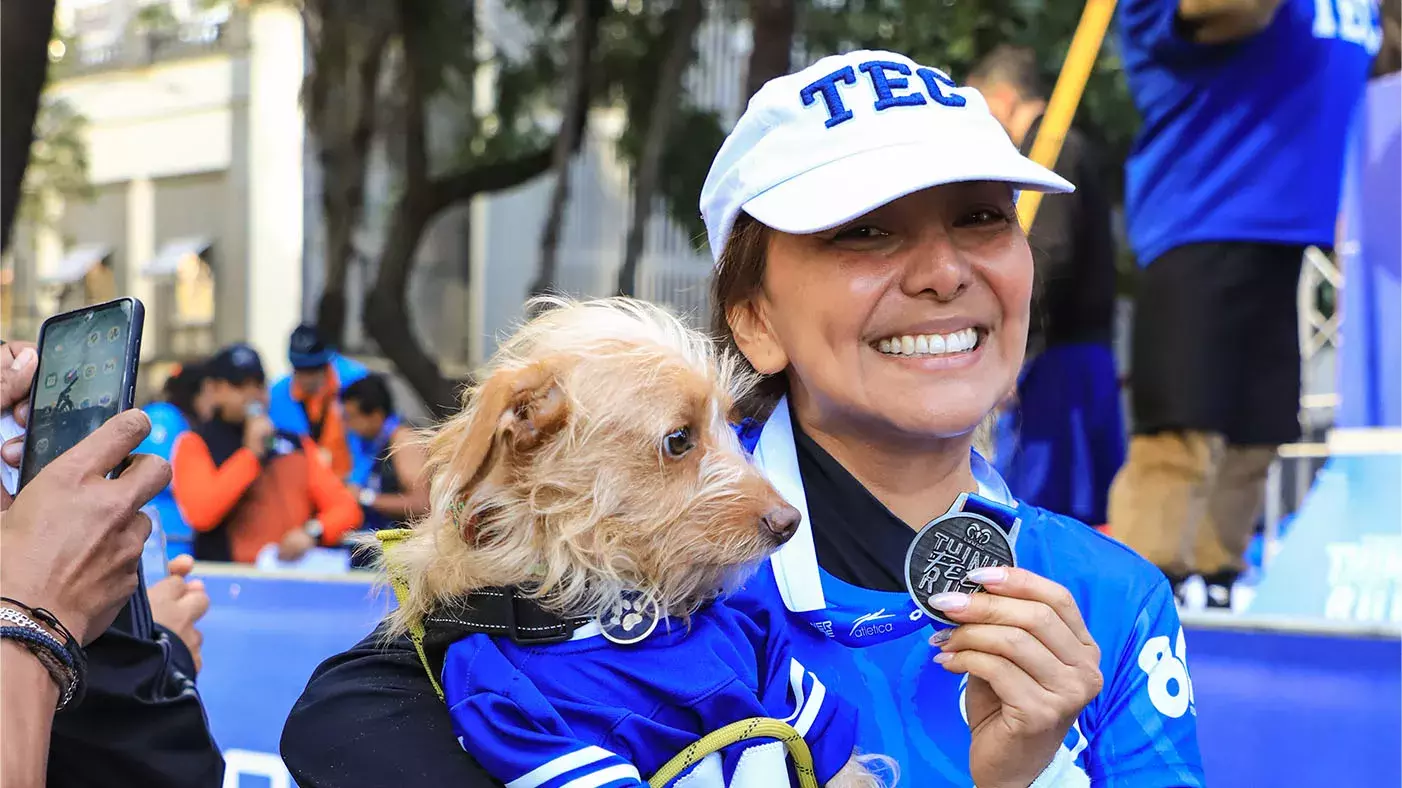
870,266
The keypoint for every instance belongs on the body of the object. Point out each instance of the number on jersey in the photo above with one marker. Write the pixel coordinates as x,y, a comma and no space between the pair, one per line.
1170,688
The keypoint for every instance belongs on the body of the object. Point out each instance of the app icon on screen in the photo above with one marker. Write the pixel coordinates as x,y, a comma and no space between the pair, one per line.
113,333
51,380
93,337
104,400
60,348
42,445
109,366
71,375
89,371
85,403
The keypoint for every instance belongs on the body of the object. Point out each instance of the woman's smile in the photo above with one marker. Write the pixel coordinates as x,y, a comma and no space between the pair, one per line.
939,344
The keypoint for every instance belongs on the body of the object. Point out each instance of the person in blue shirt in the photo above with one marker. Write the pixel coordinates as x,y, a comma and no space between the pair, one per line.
1237,168
394,492
185,404
870,265
307,402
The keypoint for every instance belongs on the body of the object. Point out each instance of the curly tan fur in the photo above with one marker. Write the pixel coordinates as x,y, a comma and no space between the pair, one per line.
556,477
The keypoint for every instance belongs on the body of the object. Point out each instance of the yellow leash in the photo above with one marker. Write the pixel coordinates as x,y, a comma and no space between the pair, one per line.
1066,96
757,727
388,539
753,728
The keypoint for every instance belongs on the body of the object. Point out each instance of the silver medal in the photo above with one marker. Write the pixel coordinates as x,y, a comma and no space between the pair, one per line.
946,550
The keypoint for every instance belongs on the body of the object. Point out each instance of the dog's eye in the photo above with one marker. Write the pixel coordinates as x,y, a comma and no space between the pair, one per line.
678,443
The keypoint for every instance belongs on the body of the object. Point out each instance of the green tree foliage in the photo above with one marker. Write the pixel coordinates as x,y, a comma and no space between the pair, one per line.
447,143
954,34
58,164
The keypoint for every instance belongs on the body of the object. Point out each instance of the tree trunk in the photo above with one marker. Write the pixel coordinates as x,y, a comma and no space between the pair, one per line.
772,22
387,313
665,101
24,60
344,123
581,54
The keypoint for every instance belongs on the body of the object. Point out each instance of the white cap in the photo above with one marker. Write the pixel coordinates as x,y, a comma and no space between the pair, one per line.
850,134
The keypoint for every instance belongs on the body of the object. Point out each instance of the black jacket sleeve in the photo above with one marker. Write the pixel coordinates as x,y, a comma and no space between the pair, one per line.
140,721
369,718
1073,251
1053,241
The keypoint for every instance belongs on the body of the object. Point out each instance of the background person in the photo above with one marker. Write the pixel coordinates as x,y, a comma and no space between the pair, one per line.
185,402
1235,172
69,544
243,485
843,225
395,490
1062,438
306,402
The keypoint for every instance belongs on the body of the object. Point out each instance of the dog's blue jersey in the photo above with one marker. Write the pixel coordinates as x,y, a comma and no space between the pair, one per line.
589,713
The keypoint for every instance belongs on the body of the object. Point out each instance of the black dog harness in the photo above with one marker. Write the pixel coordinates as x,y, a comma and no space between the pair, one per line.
499,612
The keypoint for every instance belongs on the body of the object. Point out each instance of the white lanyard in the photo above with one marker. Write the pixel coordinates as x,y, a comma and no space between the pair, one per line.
796,563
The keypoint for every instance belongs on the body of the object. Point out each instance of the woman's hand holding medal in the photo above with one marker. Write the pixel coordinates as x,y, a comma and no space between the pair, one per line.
1032,667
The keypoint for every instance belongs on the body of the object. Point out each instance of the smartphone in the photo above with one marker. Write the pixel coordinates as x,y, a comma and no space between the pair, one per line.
88,360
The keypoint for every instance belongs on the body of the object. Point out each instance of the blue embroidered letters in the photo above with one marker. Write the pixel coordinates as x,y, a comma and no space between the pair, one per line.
933,80
837,111
879,74
882,84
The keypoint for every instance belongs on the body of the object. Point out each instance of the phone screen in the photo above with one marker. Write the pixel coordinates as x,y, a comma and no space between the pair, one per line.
86,364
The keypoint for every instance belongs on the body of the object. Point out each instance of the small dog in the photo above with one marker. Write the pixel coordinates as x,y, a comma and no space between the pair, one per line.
595,464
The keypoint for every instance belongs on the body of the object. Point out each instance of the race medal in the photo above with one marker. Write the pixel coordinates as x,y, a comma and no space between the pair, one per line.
952,545
631,620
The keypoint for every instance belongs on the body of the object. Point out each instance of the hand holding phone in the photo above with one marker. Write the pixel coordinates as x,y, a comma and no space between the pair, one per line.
74,537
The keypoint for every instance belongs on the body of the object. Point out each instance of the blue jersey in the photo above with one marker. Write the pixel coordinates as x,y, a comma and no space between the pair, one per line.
1242,141
1140,731
592,713
167,424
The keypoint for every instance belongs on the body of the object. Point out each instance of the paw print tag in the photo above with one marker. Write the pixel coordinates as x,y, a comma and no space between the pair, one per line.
631,620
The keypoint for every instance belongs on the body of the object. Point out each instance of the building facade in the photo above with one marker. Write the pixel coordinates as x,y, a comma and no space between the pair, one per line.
195,138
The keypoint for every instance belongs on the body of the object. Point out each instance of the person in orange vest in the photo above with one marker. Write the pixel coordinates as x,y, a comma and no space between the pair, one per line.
243,484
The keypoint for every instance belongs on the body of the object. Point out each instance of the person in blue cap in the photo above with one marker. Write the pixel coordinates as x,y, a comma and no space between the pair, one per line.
307,402
871,268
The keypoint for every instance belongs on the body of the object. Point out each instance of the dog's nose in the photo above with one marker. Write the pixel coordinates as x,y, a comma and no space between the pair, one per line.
781,521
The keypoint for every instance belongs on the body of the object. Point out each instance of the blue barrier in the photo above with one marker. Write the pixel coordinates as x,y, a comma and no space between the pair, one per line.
1274,708
263,637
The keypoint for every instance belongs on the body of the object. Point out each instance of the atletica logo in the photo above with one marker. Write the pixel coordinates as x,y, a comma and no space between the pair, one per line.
867,625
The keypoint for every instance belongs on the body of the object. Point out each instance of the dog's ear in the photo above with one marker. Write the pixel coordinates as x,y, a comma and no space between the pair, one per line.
515,410
538,406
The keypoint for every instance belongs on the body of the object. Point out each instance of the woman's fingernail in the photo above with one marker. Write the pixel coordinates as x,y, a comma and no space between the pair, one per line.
988,574
11,452
949,601
23,360
941,637
943,657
